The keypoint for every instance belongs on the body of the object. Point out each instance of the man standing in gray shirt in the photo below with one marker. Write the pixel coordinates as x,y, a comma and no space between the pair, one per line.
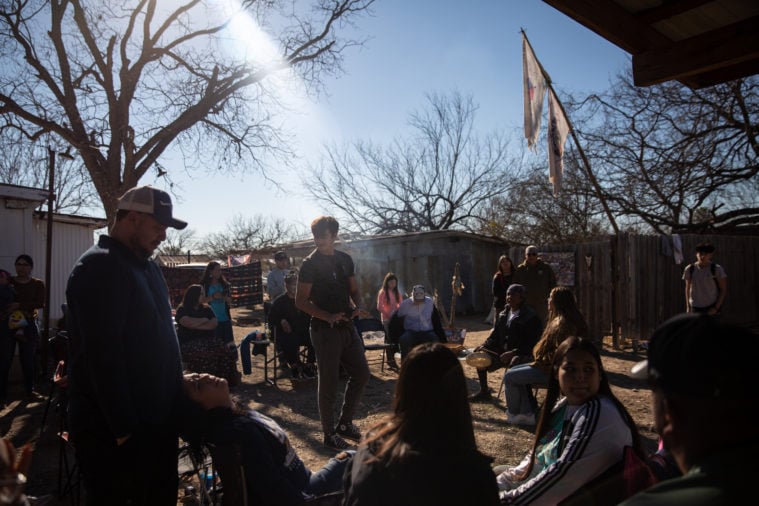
705,283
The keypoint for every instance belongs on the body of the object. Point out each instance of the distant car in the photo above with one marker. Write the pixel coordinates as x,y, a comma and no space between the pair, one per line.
195,266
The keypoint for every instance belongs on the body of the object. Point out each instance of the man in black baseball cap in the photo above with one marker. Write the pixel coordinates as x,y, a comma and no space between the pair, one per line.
125,369
702,374
152,201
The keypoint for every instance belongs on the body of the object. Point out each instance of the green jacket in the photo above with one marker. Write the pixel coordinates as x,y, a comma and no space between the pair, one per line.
728,477
539,280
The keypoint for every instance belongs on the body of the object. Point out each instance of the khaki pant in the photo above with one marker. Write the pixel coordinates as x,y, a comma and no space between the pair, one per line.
337,346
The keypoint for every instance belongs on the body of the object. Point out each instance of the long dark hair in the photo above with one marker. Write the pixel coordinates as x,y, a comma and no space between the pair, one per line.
206,280
430,409
389,277
564,319
499,270
191,297
552,395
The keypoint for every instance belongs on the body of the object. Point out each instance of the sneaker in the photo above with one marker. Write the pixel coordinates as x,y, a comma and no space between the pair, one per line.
393,365
520,419
482,395
336,442
349,430
295,371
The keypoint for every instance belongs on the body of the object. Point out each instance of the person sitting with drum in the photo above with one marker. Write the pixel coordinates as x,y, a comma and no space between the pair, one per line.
421,321
511,341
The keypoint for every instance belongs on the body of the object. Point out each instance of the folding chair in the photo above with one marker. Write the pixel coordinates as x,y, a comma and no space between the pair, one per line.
372,333
69,474
199,464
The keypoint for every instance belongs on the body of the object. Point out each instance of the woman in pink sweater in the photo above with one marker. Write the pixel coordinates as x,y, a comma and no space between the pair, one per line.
388,300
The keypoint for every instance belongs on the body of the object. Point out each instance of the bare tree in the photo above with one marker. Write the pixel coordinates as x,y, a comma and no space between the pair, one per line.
245,234
674,158
123,80
435,179
178,242
530,214
25,164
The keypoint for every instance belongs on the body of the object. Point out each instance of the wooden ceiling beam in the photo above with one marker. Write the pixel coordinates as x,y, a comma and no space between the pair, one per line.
728,46
613,23
723,75
668,10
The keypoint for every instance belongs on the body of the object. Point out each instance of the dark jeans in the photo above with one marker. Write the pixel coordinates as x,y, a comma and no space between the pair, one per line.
411,338
290,345
142,471
27,348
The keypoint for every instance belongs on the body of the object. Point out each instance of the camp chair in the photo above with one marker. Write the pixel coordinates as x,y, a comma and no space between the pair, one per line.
69,474
231,490
372,334
198,464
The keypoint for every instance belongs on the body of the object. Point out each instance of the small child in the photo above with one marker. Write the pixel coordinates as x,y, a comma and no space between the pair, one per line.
6,295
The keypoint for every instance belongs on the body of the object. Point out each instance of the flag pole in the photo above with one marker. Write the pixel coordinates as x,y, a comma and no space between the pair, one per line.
597,188
586,163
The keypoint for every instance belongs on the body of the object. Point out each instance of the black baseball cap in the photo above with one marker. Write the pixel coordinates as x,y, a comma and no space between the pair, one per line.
697,355
705,247
152,201
280,255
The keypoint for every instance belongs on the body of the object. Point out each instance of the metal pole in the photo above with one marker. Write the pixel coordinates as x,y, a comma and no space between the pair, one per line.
48,257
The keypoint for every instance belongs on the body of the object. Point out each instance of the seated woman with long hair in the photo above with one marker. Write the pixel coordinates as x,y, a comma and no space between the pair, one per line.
202,350
564,320
256,462
424,453
579,436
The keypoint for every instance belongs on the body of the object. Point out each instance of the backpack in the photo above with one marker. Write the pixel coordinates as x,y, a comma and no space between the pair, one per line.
713,268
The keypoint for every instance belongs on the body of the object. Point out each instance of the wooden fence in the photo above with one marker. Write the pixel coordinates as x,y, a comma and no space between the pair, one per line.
649,287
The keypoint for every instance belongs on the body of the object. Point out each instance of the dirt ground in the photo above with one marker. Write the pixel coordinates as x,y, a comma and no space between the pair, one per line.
294,407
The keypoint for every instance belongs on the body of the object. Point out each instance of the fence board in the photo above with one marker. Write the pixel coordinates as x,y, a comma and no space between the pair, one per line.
649,285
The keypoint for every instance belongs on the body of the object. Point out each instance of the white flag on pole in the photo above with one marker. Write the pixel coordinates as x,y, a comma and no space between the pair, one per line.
534,93
558,128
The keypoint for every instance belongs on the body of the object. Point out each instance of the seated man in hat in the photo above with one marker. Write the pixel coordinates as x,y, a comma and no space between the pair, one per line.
703,381
421,321
292,325
511,341
275,281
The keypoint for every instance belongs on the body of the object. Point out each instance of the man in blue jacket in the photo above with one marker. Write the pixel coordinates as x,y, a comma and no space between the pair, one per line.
125,370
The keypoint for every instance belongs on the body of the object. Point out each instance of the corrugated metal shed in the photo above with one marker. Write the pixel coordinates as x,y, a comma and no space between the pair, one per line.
72,236
24,230
427,258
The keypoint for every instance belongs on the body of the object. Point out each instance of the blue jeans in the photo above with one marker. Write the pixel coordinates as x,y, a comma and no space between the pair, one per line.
411,338
329,478
517,383
27,348
245,351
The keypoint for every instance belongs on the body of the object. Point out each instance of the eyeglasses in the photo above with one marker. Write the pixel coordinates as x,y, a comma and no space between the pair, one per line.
23,264
532,254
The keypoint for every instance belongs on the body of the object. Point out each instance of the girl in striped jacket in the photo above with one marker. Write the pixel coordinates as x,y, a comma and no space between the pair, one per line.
578,436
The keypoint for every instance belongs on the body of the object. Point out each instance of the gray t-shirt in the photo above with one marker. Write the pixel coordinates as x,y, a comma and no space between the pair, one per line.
275,282
703,287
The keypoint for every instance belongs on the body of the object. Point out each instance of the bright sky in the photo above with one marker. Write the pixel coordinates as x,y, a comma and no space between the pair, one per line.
415,47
